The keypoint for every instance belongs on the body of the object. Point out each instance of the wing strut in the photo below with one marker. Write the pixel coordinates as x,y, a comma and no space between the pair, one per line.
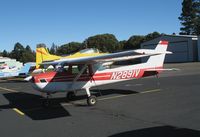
78,75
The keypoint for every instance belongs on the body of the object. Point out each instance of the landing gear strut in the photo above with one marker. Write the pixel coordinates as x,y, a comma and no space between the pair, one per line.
46,102
91,99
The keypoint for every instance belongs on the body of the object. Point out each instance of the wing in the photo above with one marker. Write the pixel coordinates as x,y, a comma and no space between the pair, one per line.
125,55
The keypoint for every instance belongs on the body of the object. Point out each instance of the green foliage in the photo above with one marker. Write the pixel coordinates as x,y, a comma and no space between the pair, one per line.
28,57
134,42
5,53
17,52
28,49
190,17
196,5
69,48
151,36
53,49
20,53
121,45
103,42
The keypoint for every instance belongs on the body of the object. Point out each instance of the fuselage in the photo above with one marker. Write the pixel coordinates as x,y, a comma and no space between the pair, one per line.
70,79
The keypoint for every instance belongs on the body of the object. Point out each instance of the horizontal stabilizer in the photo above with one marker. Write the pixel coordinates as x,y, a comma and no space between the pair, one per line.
151,52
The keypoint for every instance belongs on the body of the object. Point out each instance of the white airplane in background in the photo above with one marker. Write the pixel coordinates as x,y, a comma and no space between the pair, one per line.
87,72
7,72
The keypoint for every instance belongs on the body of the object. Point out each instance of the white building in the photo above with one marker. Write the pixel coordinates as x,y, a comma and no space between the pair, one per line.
185,48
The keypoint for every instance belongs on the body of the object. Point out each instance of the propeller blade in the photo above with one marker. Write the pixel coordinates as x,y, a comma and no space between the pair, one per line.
28,78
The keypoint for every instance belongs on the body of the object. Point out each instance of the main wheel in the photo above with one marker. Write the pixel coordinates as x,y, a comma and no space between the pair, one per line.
92,100
71,96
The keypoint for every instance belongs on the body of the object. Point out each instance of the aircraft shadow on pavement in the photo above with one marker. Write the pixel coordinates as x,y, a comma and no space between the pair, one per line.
162,131
105,92
32,106
12,81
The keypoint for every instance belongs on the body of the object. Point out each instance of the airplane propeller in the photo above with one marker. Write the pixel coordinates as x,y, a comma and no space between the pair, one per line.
28,78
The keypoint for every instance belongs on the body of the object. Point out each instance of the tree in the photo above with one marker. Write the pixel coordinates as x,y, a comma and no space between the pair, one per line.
17,51
69,48
121,45
134,42
103,42
196,5
28,49
28,55
151,36
22,54
190,17
53,49
5,53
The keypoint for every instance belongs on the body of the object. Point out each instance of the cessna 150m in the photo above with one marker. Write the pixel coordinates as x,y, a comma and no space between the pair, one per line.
86,72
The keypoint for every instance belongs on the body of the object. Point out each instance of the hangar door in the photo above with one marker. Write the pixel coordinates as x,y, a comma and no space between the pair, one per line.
180,52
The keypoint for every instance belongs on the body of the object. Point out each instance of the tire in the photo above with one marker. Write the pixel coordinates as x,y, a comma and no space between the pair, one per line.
92,100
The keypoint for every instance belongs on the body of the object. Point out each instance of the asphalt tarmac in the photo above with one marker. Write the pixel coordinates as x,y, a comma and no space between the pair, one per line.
168,106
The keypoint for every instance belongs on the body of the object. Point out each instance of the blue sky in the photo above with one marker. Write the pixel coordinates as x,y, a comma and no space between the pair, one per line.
61,21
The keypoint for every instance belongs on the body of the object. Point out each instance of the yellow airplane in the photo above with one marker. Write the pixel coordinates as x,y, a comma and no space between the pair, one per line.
43,55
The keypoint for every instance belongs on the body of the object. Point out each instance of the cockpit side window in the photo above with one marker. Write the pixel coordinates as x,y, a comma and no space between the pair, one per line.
74,69
77,69
63,68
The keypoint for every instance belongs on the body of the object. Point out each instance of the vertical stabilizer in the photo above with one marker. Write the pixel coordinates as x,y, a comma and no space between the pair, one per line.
158,60
42,54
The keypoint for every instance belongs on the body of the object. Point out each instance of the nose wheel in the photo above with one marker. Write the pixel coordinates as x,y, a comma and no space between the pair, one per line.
91,99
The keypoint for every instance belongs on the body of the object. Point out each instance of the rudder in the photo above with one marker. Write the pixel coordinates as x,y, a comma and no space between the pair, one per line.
158,60
42,54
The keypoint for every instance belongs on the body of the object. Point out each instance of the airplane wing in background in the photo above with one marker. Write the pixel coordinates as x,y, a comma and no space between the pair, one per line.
120,56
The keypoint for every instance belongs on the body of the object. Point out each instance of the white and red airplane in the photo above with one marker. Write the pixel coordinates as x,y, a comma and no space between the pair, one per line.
86,72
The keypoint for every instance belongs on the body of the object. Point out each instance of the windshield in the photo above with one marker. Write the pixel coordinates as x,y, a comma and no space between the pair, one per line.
91,50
